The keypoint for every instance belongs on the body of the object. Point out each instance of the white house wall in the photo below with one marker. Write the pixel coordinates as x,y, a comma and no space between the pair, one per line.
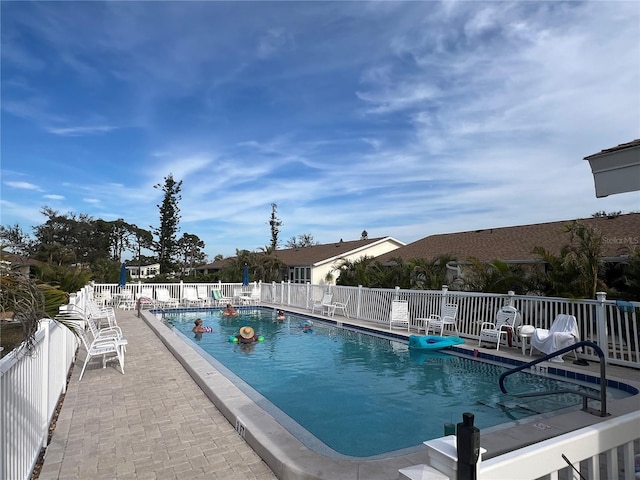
321,269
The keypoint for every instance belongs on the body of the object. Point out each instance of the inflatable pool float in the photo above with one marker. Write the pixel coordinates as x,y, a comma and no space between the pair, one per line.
432,342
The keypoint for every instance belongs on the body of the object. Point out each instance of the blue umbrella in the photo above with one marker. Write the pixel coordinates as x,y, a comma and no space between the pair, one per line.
123,275
245,275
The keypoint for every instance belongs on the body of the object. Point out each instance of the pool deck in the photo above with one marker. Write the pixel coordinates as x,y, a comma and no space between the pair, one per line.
170,417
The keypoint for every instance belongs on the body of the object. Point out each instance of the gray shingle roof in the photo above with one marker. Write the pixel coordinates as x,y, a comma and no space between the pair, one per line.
621,235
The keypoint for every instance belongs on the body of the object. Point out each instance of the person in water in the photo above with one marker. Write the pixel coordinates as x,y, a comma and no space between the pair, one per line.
229,311
281,316
198,328
247,335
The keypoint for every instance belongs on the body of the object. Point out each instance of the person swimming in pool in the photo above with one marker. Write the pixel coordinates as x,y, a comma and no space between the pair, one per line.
229,311
247,335
199,328
281,316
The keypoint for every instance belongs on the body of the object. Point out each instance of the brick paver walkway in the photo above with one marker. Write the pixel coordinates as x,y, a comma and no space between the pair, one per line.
153,422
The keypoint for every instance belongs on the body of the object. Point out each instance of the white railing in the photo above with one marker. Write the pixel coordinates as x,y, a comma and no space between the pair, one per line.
596,451
31,383
599,320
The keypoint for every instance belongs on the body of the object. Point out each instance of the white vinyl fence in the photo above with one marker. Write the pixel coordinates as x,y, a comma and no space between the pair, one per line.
597,452
31,382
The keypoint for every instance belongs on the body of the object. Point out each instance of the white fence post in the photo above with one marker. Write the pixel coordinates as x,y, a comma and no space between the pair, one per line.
601,324
359,302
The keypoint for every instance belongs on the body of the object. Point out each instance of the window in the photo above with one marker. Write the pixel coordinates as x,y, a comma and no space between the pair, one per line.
300,274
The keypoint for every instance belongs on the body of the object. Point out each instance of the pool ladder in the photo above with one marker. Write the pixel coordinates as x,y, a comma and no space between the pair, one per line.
602,412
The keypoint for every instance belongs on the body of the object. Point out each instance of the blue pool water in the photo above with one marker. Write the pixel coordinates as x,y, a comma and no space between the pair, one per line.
362,395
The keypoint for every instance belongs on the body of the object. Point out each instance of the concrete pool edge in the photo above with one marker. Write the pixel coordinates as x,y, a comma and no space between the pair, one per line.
289,458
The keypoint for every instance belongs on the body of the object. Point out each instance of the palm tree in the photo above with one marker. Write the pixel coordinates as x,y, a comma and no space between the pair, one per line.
29,302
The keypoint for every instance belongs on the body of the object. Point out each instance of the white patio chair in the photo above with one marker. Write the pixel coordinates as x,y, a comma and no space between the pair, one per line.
145,298
102,347
125,299
191,298
203,294
448,316
563,333
164,299
399,314
504,326
338,306
253,298
104,298
323,303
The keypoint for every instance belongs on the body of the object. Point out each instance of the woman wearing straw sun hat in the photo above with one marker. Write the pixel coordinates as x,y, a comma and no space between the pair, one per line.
247,335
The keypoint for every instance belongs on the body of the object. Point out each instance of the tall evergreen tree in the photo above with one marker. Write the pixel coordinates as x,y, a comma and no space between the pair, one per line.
275,224
166,245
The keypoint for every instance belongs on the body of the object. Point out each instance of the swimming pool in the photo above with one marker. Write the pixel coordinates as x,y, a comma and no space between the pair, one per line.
359,395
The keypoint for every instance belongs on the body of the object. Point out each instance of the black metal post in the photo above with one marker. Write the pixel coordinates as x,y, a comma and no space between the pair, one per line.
468,446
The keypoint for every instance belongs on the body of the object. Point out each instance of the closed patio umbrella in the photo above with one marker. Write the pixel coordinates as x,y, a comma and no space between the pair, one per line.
123,275
245,275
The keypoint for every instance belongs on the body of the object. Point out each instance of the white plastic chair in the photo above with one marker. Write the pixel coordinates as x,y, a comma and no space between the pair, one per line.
399,314
203,294
505,325
448,316
102,347
191,298
325,302
331,311
164,299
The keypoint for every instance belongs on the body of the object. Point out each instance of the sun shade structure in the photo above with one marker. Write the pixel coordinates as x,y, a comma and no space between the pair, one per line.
617,169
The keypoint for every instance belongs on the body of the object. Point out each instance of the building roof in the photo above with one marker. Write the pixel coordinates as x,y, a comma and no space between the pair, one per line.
315,254
515,244
15,259
216,265
617,148
327,252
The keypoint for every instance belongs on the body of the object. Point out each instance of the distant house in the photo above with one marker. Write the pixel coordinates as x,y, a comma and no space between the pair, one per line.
515,244
11,260
213,267
143,271
313,263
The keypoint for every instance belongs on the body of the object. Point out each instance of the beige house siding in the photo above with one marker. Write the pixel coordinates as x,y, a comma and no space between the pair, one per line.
319,270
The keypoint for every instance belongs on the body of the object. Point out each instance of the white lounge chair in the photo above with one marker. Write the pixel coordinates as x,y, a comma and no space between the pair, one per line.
164,299
448,316
145,298
399,314
563,333
324,303
203,294
504,326
190,298
338,306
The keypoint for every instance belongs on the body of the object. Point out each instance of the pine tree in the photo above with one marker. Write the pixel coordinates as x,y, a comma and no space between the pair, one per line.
275,224
166,244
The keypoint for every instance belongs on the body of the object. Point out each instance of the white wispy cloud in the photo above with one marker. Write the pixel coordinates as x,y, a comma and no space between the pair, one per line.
79,131
22,185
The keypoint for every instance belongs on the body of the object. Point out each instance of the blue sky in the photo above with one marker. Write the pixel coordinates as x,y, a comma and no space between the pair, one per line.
404,119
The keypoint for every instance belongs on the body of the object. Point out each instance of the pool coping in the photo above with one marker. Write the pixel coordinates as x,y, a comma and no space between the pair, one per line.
289,458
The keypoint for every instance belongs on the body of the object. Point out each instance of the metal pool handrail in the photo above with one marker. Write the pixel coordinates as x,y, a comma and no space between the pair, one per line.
603,379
